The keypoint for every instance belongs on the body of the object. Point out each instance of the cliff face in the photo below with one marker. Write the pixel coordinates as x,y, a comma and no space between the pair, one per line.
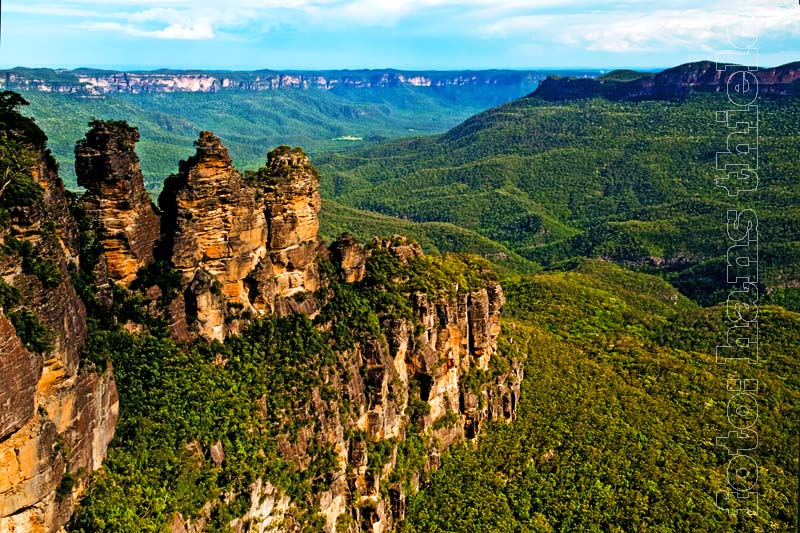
242,248
57,416
676,82
108,167
290,193
229,248
95,82
248,246
417,376
430,375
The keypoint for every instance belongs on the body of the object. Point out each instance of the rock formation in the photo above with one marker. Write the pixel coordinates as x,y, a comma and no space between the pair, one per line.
56,416
351,257
425,373
217,232
110,82
242,248
108,167
290,192
239,247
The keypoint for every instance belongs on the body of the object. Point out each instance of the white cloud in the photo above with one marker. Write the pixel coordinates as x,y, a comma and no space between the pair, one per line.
53,10
629,30
602,25
195,30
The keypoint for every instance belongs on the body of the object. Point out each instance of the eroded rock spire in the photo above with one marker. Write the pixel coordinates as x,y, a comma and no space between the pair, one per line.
127,225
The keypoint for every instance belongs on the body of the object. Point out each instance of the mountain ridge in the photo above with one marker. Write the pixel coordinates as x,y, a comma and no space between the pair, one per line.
95,82
675,82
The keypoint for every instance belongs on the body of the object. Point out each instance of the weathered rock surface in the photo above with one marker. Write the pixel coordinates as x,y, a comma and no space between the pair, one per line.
351,257
56,418
128,227
413,374
290,192
19,374
242,247
218,235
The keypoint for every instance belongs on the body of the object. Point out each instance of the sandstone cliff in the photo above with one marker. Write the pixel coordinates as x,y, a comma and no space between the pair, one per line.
242,248
432,375
417,372
57,415
98,82
108,167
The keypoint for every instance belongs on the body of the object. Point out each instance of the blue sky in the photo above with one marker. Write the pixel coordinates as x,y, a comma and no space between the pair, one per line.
409,34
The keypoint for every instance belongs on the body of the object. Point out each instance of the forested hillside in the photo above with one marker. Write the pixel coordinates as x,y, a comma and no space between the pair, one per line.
287,358
621,408
631,181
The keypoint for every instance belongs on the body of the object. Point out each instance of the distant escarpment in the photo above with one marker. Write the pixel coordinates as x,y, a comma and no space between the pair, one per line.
92,82
57,410
676,82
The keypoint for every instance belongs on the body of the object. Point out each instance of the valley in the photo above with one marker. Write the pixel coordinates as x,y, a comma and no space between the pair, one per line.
323,111
492,311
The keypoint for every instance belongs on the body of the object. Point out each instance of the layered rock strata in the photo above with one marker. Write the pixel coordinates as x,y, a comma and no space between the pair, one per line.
239,246
56,416
242,247
128,227
413,377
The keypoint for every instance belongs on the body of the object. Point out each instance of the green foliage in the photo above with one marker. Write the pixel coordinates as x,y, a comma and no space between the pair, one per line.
34,335
434,237
630,181
318,120
249,394
9,296
65,487
33,264
22,190
621,405
172,396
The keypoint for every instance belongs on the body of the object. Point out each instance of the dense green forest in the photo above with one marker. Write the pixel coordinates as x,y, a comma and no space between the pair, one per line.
622,405
631,181
253,395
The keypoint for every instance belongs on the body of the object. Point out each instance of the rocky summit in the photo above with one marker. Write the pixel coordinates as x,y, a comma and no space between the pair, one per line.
242,247
108,167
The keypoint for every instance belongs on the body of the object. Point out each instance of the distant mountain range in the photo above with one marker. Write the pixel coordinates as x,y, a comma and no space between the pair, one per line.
98,82
676,82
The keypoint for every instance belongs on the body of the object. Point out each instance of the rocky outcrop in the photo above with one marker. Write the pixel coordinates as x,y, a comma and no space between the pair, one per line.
350,256
242,248
19,374
217,232
433,374
673,83
128,227
430,373
57,416
289,189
